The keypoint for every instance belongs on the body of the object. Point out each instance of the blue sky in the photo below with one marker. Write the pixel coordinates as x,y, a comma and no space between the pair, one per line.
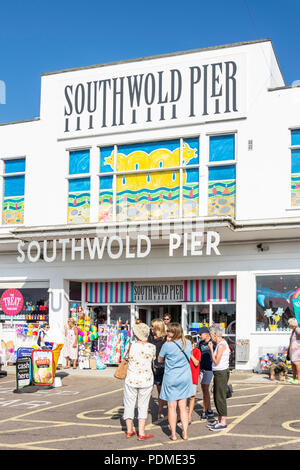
41,36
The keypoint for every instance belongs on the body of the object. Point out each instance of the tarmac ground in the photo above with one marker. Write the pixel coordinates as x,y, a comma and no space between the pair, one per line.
85,413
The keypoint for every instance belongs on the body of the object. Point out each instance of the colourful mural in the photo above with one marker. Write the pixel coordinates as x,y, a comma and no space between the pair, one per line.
150,156
295,189
106,199
13,210
79,201
190,193
79,208
221,191
295,170
147,195
79,188
151,199
14,190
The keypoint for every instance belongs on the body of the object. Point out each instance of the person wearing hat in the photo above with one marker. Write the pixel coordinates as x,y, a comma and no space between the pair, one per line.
139,381
206,373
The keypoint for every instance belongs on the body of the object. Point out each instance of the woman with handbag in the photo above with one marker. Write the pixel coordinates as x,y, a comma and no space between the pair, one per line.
177,384
158,339
139,381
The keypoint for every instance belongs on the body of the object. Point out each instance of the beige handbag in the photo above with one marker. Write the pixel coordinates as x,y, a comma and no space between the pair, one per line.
121,371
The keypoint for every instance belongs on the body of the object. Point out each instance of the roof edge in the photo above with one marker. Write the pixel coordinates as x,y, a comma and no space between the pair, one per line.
19,122
172,54
286,87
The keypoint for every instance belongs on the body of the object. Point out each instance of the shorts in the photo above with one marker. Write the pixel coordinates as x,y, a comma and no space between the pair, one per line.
205,376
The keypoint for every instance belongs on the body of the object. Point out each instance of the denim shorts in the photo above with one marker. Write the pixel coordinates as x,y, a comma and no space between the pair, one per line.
205,376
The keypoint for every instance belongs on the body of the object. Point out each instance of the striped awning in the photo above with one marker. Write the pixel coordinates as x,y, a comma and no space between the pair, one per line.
199,290
208,290
109,292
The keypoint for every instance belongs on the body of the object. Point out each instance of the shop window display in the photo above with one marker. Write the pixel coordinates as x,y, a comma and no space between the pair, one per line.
99,343
224,315
198,316
120,314
22,329
276,301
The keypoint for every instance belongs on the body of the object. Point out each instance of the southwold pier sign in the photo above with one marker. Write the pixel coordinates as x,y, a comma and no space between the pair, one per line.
186,89
115,247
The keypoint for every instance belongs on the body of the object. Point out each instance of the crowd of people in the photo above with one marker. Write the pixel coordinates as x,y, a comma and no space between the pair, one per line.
162,356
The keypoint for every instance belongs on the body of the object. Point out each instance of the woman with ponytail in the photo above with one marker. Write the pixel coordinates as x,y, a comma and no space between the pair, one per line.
177,383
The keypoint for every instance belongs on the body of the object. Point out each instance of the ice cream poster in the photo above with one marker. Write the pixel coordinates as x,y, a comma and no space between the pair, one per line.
296,304
43,367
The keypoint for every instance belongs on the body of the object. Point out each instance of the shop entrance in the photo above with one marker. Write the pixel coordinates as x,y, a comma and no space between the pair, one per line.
149,312
111,314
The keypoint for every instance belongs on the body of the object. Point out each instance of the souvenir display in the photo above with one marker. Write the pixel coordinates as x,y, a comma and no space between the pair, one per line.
100,345
269,359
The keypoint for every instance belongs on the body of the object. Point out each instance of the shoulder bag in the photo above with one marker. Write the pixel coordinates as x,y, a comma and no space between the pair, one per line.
121,371
182,351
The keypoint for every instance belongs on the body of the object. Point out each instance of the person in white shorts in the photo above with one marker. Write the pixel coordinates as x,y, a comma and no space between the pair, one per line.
206,373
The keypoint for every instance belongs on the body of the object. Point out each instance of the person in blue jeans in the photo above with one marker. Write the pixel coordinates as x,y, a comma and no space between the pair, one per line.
177,384
205,373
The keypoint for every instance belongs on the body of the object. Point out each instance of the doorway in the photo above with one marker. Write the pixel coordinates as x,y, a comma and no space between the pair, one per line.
147,313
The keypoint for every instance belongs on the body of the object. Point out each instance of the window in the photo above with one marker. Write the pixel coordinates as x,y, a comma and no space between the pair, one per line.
79,187
154,180
14,191
221,175
295,167
277,300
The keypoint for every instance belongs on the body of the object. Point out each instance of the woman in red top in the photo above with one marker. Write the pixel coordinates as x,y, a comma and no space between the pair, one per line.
195,368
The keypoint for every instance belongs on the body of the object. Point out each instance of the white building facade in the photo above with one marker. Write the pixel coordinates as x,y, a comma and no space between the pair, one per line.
107,197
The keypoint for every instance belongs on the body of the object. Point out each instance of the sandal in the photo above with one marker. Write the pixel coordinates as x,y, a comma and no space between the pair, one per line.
145,436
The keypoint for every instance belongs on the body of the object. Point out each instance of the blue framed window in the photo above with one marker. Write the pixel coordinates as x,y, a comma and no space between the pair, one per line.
79,195
13,191
221,175
222,148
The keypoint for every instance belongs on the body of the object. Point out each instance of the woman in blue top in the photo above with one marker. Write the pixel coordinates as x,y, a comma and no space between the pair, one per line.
177,383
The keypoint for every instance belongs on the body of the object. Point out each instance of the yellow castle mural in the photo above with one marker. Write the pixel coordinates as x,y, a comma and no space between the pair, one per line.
141,160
